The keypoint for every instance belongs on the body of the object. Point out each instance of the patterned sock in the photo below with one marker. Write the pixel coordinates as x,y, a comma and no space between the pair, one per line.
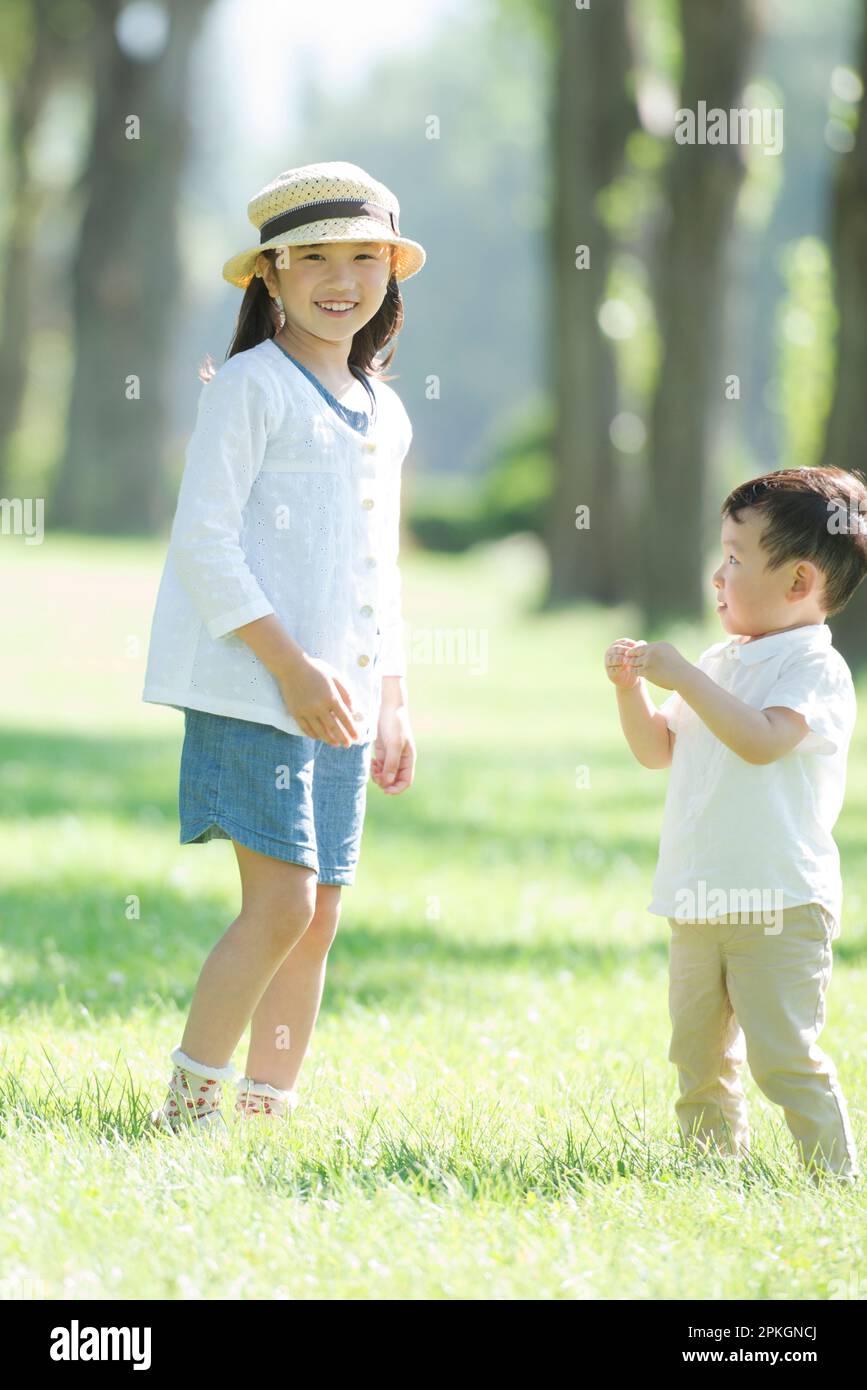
195,1091
258,1098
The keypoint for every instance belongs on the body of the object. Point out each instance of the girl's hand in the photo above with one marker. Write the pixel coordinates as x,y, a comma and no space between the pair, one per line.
620,673
393,764
660,662
317,699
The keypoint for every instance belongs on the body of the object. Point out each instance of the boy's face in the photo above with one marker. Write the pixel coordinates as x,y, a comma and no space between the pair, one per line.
753,600
355,272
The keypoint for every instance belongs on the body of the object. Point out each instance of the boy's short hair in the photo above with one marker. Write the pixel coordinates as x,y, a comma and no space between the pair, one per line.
815,514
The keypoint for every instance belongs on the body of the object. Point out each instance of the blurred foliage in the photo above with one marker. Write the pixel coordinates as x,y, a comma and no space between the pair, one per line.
805,327
628,319
452,512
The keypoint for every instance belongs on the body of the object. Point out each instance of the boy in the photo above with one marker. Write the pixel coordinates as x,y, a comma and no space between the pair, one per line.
748,876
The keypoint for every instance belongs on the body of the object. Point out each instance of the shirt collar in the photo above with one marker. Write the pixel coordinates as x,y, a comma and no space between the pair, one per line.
810,634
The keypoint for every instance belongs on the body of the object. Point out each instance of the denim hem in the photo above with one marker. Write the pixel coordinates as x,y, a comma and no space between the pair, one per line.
338,878
254,839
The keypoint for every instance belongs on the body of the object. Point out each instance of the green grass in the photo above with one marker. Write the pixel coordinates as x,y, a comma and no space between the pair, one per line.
487,1106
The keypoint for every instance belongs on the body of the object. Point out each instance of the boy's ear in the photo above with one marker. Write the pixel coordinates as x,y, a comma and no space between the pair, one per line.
808,578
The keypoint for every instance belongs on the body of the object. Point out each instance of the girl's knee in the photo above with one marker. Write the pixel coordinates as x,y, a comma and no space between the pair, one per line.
277,895
323,925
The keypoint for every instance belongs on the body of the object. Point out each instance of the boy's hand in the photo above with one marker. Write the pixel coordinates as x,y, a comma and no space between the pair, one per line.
660,662
619,672
393,763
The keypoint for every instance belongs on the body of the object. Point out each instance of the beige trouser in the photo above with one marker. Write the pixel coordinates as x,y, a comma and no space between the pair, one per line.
742,988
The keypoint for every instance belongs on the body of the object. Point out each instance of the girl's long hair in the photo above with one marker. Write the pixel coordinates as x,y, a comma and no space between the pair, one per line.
259,319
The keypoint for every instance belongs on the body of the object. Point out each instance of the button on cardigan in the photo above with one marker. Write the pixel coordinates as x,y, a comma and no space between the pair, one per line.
283,508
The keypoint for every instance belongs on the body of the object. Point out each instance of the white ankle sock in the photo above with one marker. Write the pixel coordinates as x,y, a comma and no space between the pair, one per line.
259,1098
195,1090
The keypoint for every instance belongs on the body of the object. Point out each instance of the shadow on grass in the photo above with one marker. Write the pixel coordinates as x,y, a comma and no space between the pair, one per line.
93,956
88,952
136,780
75,938
44,775
531,809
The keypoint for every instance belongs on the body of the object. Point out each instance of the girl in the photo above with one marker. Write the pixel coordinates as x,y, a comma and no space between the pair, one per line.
278,628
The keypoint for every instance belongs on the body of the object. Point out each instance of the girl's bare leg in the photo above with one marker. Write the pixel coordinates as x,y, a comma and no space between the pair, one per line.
278,903
286,1014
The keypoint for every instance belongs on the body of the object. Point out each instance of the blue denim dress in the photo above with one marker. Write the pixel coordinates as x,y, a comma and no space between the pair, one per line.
285,795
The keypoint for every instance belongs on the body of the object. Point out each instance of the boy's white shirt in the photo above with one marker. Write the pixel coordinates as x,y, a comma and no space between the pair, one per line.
282,508
737,827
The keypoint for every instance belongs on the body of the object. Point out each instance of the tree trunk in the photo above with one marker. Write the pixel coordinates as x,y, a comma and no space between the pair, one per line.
28,89
591,119
702,183
125,283
845,446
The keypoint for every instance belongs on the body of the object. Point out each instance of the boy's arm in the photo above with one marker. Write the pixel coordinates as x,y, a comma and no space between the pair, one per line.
756,735
646,730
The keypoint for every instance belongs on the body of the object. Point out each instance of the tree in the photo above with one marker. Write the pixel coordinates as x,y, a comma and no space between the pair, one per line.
845,445
702,184
35,55
591,119
125,279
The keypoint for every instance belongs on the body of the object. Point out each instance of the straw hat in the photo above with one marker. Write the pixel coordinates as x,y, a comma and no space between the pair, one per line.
324,202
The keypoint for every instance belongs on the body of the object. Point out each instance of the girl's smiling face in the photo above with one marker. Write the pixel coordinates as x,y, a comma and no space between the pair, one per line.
345,273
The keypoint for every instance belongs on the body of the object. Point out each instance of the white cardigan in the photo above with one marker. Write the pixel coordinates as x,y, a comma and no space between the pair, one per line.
283,508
